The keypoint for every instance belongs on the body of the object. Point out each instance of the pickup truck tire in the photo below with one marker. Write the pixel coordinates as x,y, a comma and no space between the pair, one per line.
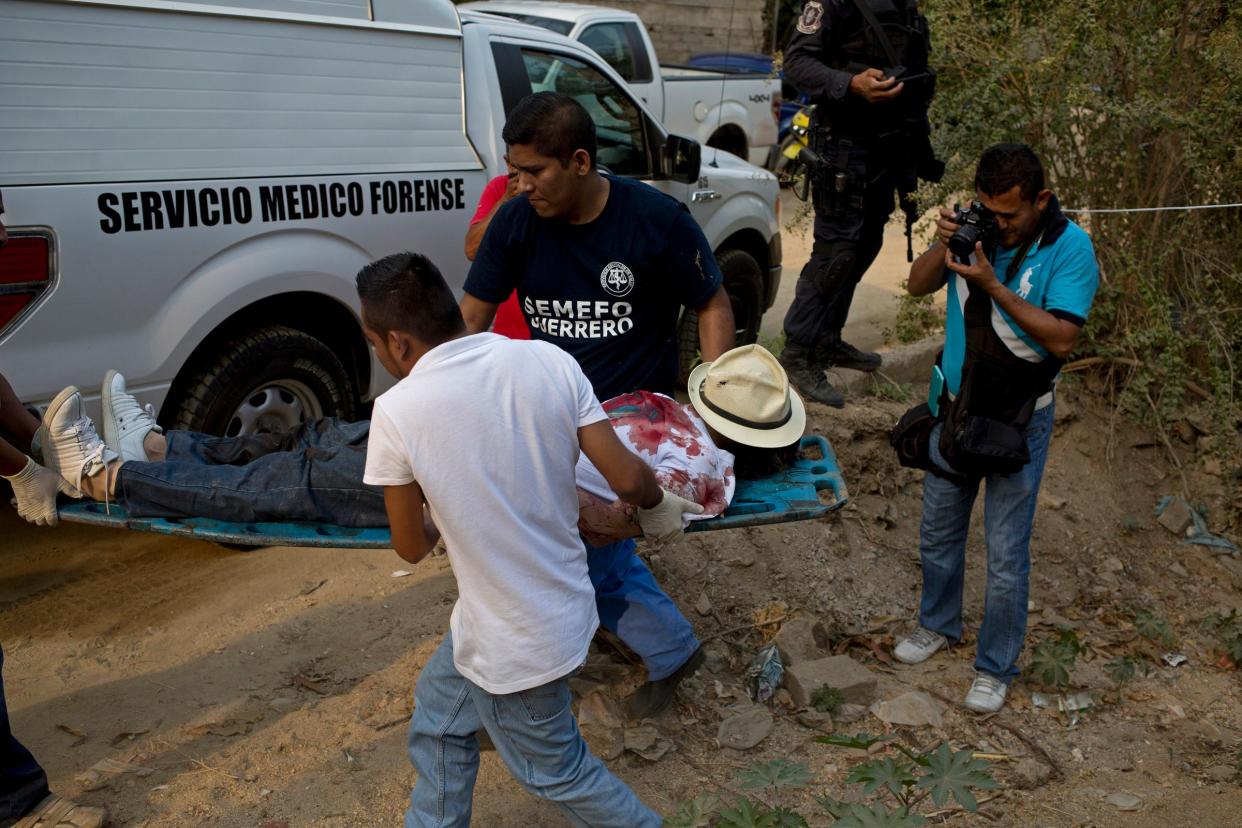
743,282
267,380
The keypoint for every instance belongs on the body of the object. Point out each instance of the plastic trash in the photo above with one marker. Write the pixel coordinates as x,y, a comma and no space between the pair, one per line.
764,674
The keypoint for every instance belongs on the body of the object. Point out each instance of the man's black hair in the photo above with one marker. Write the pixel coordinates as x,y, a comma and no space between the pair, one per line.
554,124
405,292
1005,166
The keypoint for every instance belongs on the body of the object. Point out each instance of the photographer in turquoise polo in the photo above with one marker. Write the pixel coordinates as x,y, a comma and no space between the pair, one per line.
1020,278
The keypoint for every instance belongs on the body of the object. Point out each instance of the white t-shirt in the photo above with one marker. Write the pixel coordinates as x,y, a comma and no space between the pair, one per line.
488,426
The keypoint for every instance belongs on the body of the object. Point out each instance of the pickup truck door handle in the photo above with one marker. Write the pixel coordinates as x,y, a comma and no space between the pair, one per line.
699,196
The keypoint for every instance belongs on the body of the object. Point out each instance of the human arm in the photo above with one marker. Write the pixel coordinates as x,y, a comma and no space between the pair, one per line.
497,192
1057,335
928,273
809,53
477,314
717,331
413,532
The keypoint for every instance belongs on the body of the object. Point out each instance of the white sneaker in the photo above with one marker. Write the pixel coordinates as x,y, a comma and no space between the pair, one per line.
126,424
986,694
919,646
72,448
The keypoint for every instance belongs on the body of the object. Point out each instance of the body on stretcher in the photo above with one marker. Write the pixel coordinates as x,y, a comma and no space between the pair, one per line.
811,488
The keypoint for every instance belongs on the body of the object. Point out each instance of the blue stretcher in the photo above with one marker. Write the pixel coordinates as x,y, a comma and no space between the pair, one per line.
811,488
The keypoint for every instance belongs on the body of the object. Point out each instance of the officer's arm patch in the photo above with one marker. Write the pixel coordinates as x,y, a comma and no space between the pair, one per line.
812,17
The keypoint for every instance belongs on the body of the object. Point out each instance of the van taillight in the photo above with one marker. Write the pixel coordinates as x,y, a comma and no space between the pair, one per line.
25,274
777,100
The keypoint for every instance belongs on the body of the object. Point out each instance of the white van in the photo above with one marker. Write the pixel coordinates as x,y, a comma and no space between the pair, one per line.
191,188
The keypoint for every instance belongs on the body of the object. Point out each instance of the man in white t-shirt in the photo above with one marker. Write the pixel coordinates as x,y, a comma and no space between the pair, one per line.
478,441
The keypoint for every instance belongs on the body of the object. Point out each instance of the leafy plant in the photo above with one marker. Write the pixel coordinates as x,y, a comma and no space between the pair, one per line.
1122,669
917,317
1228,629
1053,659
827,699
1154,627
896,785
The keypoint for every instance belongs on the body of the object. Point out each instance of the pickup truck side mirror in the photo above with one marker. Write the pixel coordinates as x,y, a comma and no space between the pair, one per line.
680,159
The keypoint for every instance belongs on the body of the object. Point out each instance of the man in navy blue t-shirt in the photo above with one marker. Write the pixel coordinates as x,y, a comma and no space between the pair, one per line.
602,267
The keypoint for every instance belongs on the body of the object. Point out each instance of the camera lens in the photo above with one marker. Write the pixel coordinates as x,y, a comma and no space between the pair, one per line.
963,241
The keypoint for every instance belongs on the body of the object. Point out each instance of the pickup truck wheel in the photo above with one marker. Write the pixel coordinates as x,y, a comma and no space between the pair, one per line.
266,381
743,282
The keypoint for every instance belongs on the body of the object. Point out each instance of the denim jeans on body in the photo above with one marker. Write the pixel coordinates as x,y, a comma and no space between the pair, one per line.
23,784
313,473
1008,514
632,605
536,736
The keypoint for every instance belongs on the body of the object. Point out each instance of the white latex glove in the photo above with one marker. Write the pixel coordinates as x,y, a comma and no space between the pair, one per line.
662,523
34,493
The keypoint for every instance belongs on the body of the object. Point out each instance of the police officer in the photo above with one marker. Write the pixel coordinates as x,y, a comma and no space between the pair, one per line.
864,65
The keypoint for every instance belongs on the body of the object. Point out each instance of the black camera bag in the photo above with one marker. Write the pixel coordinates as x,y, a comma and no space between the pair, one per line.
985,424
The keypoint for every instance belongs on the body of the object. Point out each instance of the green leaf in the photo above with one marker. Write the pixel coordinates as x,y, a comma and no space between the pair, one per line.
777,774
783,817
697,813
747,814
860,741
1052,660
883,773
955,772
836,808
878,816
1154,626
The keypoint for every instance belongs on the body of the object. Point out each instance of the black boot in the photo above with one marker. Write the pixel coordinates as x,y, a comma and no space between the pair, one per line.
835,352
808,377
655,696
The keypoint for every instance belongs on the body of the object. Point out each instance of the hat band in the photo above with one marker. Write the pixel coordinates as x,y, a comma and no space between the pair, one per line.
733,418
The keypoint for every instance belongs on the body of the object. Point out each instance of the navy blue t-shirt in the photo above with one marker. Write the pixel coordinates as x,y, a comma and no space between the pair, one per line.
608,291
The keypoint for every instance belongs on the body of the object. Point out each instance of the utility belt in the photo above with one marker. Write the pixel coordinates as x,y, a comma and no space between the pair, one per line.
984,425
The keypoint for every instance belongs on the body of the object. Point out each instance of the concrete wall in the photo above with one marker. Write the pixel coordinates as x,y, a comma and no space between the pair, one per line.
680,28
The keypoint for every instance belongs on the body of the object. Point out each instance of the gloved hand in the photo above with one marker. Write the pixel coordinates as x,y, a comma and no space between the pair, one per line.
35,489
661,523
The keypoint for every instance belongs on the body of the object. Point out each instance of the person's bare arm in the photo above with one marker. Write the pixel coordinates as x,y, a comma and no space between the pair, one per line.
477,313
626,473
928,273
413,533
1058,336
476,231
717,331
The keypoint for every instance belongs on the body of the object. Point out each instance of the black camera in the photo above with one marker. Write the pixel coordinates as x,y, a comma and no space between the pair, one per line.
977,225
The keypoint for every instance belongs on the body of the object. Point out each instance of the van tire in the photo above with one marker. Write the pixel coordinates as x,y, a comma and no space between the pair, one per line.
743,282
275,356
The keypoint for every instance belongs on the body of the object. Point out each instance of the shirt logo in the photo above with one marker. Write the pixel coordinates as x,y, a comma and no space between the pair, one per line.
812,17
1025,285
616,278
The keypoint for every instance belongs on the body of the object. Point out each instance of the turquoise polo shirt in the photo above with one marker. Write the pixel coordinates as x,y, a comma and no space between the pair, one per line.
1059,275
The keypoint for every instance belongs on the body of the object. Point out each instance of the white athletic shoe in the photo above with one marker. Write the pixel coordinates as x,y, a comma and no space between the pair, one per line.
986,694
125,423
72,448
919,646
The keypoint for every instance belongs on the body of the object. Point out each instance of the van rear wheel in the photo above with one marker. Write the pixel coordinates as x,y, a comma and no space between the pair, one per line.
269,380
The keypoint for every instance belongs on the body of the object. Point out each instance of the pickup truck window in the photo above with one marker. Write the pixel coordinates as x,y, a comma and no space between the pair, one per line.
621,46
619,128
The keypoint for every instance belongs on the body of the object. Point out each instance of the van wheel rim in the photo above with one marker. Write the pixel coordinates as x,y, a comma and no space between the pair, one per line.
275,407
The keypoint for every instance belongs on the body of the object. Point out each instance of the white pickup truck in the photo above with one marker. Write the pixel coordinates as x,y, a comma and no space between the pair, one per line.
191,188
735,112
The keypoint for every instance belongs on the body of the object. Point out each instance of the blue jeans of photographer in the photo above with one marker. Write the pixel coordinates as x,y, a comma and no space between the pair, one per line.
535,734
1008,515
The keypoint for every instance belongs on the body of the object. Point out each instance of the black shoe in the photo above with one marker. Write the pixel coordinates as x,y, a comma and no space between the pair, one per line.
841,354
654,696
808,377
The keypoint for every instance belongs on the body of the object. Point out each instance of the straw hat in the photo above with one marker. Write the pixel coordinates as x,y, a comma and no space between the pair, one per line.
745,395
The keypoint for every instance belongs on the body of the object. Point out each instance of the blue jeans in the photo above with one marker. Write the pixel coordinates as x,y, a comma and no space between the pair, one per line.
632,605
23,784
313,473
1008,513
536,736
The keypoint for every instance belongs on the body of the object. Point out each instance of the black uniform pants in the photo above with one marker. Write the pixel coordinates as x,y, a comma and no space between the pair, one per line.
849,231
